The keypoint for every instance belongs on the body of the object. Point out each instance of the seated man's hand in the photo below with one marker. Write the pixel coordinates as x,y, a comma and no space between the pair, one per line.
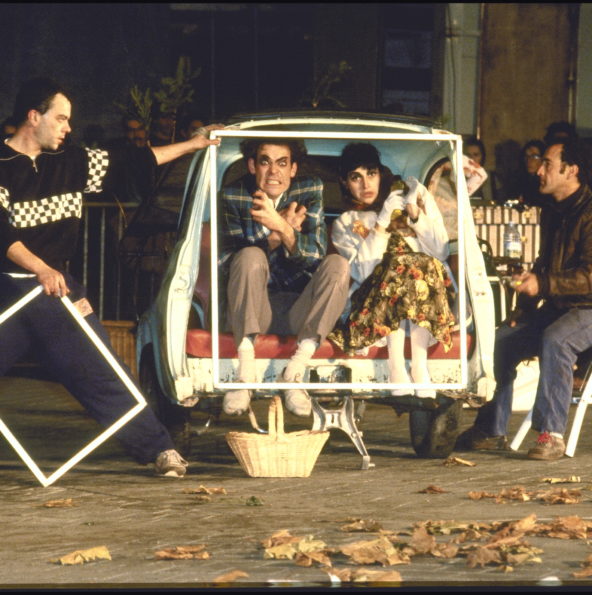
294,214
264,212
527,283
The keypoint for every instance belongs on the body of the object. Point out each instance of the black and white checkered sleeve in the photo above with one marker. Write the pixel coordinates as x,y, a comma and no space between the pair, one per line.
98,164
4,202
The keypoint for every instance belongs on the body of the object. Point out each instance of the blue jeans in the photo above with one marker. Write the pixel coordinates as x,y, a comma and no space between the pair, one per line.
556,337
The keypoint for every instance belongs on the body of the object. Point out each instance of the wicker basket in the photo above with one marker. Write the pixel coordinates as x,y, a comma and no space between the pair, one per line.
277,454
123,340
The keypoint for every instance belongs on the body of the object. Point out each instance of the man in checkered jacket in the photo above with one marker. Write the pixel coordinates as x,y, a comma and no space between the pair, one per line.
42,185
274,243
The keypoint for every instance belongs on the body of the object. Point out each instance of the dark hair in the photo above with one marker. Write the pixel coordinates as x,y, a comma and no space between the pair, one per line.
574,153
539,144
8,122
250,146
36,94
128,118
473,140
558,132
365,155
357,155
185,121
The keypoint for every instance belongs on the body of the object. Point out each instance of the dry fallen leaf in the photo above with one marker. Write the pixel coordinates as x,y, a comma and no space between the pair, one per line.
307,559
183,552
431,489
449,527
570,479
458,461
480,495
230,577
363,575
66,503
204,490
367,526
279,537
584,573
283,545
482,556
516,493
571,527
375,551
82,556
445,550
561,496
422,542
586,568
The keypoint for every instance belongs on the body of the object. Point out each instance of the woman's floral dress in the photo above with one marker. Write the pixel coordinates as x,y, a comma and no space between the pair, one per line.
404,285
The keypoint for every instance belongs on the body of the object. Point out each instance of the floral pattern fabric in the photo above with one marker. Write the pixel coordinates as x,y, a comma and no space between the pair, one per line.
404,285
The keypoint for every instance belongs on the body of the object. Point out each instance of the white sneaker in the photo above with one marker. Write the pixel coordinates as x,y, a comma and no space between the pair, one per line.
426,393
296,400
236,402
169,463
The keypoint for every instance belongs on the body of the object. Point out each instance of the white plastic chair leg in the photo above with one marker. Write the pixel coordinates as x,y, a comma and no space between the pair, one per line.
576,426
522,431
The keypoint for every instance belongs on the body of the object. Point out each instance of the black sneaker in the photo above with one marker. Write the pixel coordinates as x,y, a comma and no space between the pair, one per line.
476,439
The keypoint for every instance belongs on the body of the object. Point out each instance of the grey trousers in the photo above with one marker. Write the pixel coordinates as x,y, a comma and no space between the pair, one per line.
309,315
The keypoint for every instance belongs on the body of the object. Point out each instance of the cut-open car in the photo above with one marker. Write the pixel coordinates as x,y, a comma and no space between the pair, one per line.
184,358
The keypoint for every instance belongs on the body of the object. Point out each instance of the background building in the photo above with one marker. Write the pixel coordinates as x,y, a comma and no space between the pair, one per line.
501,71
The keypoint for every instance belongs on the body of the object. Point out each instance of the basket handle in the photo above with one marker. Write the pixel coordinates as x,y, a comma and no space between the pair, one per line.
275,418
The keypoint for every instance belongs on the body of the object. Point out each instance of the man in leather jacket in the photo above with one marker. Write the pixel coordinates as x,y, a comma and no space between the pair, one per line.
559,329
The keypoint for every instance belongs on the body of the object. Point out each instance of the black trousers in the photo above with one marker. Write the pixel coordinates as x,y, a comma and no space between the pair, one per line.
47,329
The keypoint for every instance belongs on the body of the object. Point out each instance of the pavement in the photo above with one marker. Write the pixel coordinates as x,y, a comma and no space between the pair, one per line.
109,500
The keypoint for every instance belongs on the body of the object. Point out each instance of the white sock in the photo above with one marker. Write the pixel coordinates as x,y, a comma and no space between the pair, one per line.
556,434
396,361
420,339
296,367
246,360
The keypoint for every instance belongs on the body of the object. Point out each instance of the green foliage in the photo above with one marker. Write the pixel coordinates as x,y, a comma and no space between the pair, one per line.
174,92
138,106
321,93
177,91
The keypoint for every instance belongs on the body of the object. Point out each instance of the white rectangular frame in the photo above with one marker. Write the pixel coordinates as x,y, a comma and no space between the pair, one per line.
125,378
454,138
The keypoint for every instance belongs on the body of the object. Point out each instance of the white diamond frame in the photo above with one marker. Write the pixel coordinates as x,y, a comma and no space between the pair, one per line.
123,375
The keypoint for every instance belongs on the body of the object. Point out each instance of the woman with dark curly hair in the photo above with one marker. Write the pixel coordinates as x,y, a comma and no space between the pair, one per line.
395,240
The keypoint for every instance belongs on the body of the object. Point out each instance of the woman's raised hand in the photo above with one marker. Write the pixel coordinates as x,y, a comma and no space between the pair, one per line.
393,201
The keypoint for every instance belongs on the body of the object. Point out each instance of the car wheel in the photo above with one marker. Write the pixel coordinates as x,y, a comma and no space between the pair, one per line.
434,433
174,417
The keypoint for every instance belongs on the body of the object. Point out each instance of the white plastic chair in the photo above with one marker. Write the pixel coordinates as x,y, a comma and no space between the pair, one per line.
576,426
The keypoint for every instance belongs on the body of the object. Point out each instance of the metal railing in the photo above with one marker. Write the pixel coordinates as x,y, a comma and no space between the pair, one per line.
490,223
97,262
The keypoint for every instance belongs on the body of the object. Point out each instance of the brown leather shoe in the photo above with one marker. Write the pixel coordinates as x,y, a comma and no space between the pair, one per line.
547,448
475,439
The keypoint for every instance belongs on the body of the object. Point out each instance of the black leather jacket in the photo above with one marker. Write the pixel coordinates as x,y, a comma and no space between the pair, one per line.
564,264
